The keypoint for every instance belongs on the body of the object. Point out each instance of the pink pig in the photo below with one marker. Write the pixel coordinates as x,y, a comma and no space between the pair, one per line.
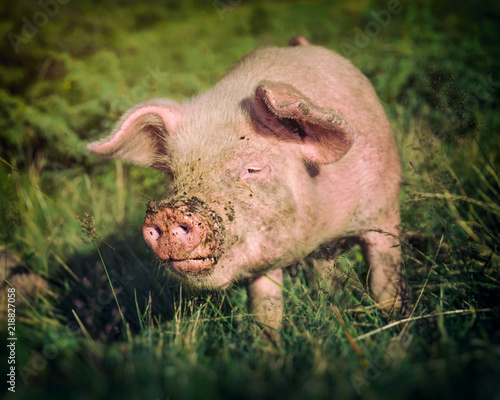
289,151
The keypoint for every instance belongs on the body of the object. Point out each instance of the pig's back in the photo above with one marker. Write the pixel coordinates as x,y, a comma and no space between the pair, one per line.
327,79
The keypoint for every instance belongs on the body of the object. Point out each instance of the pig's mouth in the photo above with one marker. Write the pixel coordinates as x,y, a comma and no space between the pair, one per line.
193,266
198,272
188,236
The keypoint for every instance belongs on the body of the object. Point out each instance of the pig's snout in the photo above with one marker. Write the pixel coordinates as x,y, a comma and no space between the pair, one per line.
172,234
188,240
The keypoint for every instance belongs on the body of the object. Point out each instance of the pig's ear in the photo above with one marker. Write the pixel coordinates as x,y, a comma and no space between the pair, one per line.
324,135
139,136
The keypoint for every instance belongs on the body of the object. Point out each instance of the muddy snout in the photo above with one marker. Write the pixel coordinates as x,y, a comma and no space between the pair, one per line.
189,240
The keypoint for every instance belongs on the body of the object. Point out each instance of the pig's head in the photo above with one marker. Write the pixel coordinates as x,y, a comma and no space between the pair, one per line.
243,179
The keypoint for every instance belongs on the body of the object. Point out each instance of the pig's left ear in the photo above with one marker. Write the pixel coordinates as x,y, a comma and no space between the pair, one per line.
139,136
324,135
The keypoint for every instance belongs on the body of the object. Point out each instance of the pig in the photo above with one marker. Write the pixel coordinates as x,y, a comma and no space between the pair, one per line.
290,151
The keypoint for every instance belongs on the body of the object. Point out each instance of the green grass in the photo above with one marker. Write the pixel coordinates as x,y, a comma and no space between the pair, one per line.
108,324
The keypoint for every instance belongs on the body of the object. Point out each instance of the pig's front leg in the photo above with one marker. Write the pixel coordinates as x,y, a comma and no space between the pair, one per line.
387,280
265,300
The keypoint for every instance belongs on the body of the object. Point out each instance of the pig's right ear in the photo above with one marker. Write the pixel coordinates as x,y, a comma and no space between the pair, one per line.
139,136
324,136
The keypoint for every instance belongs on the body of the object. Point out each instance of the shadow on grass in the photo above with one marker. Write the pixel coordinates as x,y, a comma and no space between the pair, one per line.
108,289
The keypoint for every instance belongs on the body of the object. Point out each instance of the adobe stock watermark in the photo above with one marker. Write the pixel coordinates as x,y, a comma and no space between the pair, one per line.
39,360
458,106
374,369
222,7
137,94
11,338
373,28
140,92
31,27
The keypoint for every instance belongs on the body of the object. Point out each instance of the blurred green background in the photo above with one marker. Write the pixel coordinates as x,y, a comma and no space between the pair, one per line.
67,77
69,69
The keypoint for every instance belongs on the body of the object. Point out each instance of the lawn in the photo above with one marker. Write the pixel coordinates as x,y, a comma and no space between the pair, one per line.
95,316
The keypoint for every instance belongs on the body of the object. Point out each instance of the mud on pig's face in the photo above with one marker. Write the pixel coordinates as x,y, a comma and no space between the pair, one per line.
224,217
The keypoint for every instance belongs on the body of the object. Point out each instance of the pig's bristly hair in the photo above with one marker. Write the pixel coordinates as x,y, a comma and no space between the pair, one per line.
205,137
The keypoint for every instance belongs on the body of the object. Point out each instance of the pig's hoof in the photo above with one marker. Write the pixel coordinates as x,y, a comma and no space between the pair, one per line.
270,335
394,309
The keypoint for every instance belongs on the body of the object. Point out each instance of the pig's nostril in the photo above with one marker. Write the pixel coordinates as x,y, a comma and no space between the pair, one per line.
154,231
152,234
181,230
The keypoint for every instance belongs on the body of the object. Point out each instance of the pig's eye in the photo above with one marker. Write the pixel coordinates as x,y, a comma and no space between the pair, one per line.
255,172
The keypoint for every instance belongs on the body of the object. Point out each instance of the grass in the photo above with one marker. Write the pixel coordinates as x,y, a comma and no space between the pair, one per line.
108,324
